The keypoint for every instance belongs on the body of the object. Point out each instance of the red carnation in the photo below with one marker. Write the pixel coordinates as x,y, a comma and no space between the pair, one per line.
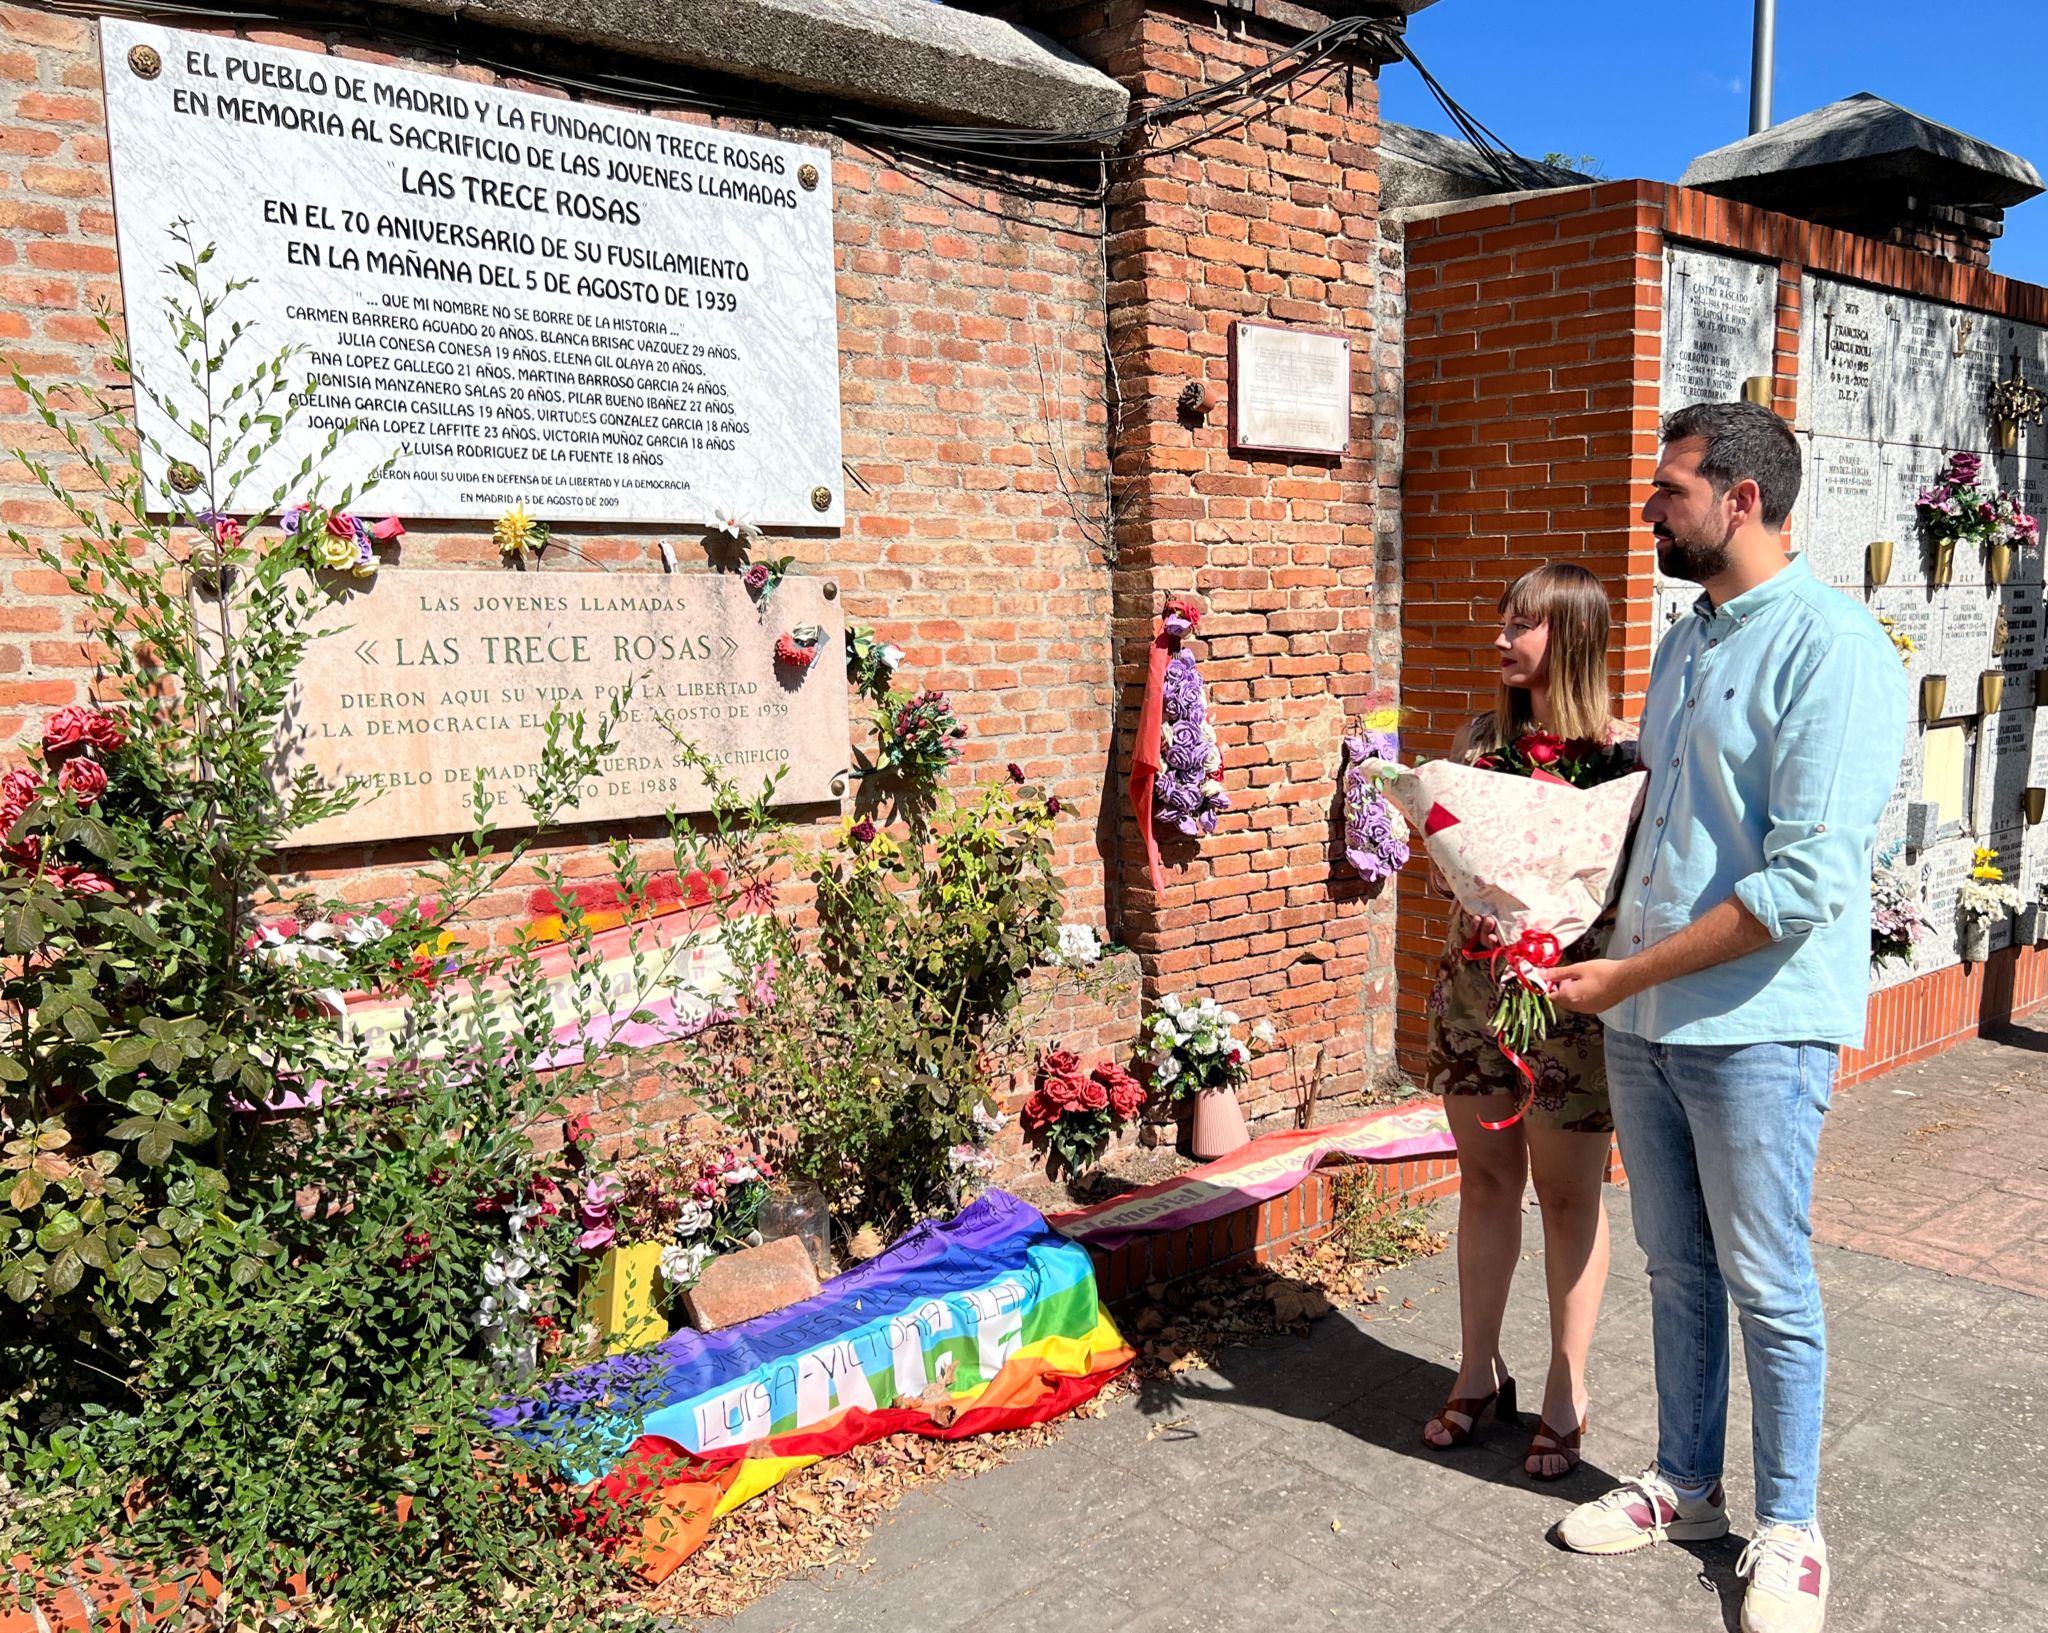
84,780
863,832
74,727
790,652
756,578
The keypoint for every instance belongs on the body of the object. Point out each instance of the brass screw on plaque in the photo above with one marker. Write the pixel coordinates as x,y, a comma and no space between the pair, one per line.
184,475
821,498
807,178
830,589
143,61
839,786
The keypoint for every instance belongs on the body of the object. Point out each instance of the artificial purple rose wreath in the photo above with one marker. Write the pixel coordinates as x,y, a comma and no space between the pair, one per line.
1188,796
1375,834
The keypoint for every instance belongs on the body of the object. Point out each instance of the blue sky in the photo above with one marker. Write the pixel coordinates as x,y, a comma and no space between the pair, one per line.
1645,86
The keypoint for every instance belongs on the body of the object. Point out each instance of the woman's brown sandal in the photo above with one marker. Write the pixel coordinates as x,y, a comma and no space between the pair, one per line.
1471,1408
1549,1442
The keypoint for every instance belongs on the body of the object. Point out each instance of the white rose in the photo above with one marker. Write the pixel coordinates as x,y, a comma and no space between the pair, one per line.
1171,1003
1211,789
693,1219
740,1175
1078,944
1215,760
1264,1033
892,657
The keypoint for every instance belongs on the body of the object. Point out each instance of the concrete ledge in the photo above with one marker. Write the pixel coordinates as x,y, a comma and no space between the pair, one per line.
951,66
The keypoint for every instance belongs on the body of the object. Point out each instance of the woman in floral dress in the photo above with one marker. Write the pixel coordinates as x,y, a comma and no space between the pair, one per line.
1553,690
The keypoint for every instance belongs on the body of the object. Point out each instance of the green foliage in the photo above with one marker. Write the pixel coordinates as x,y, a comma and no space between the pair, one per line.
264,1343
867,1044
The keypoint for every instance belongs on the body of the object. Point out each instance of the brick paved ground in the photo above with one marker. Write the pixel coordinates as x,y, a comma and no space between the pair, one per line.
1945,1164
1287,1488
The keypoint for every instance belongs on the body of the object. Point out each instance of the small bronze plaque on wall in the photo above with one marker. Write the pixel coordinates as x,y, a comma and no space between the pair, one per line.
1290,390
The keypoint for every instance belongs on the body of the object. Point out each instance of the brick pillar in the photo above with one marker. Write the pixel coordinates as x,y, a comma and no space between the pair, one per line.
1277,221
1534,327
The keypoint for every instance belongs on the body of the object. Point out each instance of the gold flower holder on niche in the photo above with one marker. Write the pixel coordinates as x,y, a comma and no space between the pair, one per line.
1879,556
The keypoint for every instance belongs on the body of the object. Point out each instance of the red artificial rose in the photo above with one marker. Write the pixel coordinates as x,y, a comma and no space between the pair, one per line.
19,789
84,780
577,1129
1039,1111
74,727
1127,1099
1541,747
78,881
1059,1063
1063,1092
1094,1097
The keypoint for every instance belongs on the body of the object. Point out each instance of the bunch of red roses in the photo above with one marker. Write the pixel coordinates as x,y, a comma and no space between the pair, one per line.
74,740
1580,761
1074,1116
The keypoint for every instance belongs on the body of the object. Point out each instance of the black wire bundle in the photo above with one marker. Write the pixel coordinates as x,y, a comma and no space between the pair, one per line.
968,150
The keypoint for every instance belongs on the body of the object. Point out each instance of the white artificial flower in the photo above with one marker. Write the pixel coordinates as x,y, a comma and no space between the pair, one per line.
1215,760
740,1175
1078,944
727,519
1212,788
1264,1033
1167,1069
990,1123
692,1219
892,658
682,1264
1239,1054
362,932
1171,1003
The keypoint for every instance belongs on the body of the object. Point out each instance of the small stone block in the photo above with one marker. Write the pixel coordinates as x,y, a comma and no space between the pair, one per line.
756,1281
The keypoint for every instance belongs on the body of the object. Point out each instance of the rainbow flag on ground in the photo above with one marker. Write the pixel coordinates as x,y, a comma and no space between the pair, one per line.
987,1321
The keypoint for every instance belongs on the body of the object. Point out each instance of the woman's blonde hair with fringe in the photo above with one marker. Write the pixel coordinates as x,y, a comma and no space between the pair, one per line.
1573,603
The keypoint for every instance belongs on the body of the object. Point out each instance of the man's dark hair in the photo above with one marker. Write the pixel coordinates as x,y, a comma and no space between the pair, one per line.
1745,443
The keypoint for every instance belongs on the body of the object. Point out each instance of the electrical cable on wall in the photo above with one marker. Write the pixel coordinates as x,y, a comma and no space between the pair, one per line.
1262,86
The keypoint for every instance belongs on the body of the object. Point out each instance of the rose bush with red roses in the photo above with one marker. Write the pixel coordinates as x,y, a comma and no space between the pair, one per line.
1073,1116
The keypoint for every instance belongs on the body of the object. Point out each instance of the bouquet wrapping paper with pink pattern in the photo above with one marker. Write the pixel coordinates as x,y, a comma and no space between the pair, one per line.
1534,853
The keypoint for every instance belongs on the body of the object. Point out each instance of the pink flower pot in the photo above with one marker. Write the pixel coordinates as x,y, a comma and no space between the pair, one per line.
1219,1124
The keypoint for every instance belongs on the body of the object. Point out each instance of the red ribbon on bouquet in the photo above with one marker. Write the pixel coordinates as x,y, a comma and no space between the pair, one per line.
1535,951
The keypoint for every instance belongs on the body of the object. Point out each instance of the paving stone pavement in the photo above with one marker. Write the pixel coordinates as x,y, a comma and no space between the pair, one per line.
1288,1489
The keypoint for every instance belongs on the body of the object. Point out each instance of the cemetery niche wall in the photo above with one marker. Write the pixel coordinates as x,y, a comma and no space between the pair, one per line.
1637,298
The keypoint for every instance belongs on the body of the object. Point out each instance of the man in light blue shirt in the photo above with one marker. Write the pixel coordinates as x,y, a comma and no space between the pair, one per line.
1740,967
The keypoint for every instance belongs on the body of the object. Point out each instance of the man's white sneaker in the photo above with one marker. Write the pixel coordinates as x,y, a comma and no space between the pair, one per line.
1787,1567
1640,1512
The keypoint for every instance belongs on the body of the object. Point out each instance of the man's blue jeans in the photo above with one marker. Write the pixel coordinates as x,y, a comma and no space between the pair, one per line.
1719,1143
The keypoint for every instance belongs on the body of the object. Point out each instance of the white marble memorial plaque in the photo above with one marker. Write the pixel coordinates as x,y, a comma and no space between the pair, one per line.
595,314
1842,330
1290,389
1843,480
1720,325
429,679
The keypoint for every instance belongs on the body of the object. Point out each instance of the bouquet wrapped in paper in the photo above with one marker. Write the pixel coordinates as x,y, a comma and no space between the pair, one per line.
1525,847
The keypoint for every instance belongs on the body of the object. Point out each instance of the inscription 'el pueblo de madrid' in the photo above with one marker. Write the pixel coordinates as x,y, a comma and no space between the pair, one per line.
440,677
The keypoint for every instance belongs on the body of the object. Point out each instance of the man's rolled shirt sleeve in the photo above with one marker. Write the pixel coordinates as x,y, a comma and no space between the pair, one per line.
1830,779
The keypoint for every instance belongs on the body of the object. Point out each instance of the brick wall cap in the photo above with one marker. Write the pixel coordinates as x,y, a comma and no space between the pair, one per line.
906,54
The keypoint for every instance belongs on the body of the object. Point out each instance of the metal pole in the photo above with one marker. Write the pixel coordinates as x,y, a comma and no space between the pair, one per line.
1763,56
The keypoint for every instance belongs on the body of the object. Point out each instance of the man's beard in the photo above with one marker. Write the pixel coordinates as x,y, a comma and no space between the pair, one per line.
1695,560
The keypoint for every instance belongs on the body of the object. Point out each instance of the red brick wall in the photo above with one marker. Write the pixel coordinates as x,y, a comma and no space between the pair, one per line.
975,318
1532,431
1277,221
971,343
1535,330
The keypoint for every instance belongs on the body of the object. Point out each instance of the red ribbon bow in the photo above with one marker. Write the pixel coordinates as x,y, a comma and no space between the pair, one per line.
1534,950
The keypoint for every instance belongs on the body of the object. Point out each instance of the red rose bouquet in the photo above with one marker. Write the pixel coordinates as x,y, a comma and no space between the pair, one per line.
1531,840
1074,1117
